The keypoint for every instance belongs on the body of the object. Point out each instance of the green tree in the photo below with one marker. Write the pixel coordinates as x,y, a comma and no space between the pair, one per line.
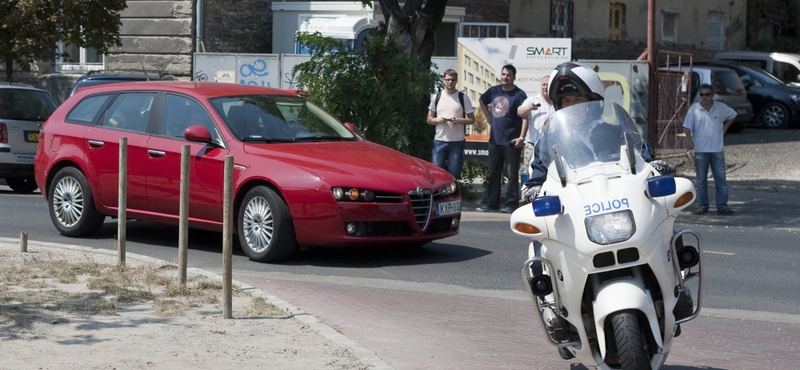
29,29
378,88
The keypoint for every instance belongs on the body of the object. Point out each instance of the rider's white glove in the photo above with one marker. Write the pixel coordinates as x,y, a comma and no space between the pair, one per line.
530,192
660,166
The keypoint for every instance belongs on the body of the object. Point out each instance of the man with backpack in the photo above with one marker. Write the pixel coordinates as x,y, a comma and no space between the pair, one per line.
450,110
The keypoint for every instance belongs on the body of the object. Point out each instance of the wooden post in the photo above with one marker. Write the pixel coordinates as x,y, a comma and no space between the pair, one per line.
23,241
123,199
227,239
183,225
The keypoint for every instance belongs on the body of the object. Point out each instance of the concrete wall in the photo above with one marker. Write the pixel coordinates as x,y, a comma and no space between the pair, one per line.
531,18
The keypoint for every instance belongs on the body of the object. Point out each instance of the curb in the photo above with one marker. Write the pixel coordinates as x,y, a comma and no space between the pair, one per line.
362,353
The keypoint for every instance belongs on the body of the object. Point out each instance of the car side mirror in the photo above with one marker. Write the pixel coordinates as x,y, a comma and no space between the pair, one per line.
351,127
197,133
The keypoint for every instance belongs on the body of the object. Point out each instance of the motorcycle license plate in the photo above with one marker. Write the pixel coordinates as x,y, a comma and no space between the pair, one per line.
448,208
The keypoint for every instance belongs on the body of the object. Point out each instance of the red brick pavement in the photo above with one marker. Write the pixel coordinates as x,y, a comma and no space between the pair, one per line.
413,330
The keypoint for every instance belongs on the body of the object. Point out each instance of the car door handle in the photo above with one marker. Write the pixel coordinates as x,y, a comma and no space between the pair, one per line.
95,143
156,153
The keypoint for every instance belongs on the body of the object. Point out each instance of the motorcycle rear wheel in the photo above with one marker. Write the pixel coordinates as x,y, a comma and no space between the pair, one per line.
628,339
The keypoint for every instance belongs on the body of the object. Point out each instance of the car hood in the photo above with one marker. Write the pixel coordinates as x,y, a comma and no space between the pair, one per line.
355,163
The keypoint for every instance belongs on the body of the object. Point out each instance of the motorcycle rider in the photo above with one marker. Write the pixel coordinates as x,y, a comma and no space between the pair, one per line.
573,83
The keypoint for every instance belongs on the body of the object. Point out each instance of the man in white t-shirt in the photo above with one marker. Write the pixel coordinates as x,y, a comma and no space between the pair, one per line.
450,110
705,124
536,109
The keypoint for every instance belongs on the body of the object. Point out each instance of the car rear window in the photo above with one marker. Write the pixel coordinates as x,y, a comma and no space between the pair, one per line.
26,105
89,109
726,83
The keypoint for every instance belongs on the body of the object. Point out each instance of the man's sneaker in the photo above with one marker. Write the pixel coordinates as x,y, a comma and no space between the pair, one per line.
507,210
484,209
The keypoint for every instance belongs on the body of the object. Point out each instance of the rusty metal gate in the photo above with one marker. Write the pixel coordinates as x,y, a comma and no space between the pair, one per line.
673,101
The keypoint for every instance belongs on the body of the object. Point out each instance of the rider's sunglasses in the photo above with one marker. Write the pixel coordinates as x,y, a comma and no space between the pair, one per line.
706,94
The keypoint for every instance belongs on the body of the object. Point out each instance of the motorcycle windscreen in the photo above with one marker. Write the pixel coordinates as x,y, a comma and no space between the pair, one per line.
587,133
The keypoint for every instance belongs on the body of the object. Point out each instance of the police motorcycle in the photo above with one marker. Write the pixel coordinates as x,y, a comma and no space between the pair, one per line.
606,271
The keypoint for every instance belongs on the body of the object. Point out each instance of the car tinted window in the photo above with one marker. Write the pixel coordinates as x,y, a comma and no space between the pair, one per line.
181,112
130,111
726,82
26,105
277,117
785,71
89,109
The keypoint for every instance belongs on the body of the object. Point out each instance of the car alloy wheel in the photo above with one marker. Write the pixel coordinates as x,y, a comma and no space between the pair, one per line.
266,232
774,115
71,204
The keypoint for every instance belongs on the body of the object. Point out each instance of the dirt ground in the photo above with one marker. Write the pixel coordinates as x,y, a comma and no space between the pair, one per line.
72,309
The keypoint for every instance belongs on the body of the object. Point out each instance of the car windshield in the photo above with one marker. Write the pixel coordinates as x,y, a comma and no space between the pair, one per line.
25,105
769,78
587,133
278,118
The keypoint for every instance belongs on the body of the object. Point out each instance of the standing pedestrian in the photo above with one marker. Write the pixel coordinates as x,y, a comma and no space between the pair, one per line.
450,110
705,125
536,109
506,138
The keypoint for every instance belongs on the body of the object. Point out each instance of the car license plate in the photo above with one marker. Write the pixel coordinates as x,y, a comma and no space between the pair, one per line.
448,208
742,111
32,136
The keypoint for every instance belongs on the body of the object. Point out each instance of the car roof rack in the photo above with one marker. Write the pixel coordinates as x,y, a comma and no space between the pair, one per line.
159,73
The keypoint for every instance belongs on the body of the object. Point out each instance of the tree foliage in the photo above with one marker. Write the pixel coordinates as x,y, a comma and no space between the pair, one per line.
411,26
381,89
29,29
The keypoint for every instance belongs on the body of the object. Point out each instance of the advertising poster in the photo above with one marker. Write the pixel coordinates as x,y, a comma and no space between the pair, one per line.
480,61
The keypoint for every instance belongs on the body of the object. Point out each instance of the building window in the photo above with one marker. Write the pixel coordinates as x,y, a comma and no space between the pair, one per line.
483,30
616,22
77,59
560,18
467,60
669,25
715,31
475,66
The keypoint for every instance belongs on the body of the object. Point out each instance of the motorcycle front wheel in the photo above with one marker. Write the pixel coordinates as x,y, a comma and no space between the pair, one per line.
628,339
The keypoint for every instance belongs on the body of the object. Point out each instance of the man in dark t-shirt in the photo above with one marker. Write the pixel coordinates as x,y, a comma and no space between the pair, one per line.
506,140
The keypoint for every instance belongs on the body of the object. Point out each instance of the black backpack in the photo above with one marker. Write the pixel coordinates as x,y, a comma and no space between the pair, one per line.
460,99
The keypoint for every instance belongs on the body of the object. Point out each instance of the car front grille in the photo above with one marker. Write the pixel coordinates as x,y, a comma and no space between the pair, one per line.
422,209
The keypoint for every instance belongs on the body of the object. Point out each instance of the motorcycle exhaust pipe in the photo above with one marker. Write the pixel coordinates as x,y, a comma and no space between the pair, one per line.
541,285
688,256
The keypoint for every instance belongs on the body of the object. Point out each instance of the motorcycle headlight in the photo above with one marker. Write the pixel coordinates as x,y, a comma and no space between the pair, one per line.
611,227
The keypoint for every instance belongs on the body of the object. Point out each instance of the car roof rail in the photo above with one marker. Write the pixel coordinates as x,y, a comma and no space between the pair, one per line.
16,84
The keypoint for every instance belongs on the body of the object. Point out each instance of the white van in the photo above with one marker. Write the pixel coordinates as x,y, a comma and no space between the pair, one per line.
783,65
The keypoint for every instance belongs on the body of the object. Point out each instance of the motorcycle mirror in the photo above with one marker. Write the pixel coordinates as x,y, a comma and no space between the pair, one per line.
631,154
562,174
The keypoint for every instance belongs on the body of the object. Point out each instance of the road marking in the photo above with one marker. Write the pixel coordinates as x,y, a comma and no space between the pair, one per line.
722,253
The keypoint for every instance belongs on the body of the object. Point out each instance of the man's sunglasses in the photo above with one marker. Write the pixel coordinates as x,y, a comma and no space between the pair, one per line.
706,94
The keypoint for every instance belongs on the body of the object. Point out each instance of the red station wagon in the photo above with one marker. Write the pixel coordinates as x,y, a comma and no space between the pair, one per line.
301,177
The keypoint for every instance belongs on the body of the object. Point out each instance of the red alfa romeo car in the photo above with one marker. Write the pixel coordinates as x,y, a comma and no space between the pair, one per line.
301,177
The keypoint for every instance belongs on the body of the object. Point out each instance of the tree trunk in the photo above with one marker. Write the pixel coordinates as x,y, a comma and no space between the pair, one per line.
411,26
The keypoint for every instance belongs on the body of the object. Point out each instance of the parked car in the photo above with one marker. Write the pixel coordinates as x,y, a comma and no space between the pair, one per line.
728,88
775,103
301,176
23,108
94,78
785,66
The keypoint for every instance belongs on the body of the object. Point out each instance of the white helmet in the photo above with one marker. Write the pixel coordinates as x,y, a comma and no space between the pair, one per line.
573,78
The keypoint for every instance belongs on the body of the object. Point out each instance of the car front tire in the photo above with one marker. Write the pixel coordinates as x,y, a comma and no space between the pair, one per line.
71,204
774,115
266,232
22,184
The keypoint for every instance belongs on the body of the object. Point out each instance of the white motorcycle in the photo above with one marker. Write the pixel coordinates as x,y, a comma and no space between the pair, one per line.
606,271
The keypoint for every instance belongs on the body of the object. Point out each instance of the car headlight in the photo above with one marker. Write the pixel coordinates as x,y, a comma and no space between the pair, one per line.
611,227
795,98
448,189
353,194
